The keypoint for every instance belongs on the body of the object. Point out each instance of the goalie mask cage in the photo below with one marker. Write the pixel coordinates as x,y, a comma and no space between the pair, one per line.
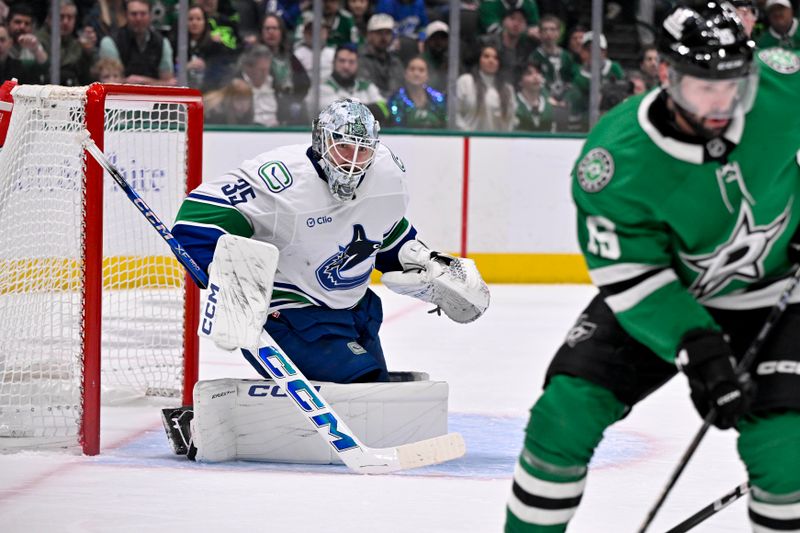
90,294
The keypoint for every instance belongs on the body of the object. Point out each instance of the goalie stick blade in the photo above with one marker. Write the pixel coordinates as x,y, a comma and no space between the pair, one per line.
431,451
408,456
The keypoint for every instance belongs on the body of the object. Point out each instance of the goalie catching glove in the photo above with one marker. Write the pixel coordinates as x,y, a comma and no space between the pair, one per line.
451,283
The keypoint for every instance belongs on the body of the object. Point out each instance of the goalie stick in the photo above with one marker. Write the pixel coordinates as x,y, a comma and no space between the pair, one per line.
330,426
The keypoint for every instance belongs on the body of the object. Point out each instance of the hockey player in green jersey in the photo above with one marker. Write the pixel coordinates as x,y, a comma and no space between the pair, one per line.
688,201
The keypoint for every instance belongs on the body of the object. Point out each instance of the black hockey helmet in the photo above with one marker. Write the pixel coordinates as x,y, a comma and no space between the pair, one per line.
706,40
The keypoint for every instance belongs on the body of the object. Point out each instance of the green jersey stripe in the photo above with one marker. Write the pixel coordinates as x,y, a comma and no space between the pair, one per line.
396,234
229,219
291,296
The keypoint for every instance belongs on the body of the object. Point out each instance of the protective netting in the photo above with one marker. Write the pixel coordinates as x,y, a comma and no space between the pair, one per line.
42,203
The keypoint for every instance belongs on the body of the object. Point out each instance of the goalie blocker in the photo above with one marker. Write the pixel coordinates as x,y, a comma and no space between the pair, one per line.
251,420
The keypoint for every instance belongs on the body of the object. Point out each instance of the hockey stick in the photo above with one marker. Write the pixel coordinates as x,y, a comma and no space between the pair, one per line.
329,425
775,313
711,509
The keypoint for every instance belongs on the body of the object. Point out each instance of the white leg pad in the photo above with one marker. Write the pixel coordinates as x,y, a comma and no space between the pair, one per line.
251,420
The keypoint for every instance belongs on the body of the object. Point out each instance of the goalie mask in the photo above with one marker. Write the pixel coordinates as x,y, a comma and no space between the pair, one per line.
345,138
712,76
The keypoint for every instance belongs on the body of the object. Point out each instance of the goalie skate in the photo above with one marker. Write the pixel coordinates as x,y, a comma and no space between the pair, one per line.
176,424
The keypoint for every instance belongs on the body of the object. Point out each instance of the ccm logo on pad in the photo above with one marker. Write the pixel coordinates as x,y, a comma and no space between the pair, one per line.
269,390
778,367
209,310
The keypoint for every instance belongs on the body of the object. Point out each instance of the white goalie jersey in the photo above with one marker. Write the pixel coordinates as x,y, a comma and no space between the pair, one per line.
328,248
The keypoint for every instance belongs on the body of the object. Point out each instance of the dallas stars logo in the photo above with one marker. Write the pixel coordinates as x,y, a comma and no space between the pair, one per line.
741,257
595,170
783,61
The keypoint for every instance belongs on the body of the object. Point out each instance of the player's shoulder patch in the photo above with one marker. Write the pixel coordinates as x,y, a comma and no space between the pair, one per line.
595,170
275,175
780,60
397,160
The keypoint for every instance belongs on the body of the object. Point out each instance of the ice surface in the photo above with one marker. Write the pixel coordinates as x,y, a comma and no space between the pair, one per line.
495,367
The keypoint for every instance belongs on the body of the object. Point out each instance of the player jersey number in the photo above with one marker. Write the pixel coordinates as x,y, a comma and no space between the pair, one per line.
603,240
239,192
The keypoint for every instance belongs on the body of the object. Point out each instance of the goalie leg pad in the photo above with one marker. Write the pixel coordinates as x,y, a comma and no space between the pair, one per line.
250,420
236,304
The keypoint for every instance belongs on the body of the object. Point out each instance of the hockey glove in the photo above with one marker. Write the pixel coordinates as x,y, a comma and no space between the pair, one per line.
451,283
707,360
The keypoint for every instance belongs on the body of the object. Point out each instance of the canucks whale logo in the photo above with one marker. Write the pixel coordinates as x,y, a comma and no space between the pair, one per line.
359,249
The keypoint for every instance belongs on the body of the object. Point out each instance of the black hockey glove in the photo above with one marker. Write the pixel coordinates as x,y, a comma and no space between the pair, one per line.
706,359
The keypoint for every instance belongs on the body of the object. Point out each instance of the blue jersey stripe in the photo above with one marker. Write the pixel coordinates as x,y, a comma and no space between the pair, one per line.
205,198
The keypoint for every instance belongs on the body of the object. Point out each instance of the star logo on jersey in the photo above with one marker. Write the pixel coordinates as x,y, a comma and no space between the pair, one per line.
741,257
359,249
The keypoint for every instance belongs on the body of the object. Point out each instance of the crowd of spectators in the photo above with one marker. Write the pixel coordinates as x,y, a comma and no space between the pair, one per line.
524,65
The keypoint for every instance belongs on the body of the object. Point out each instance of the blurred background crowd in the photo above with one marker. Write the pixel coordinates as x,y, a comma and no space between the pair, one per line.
523,65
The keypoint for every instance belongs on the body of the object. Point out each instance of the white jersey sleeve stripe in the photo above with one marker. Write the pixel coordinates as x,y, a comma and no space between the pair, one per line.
206,199
776,511
620,272
199,225
628,299
547,489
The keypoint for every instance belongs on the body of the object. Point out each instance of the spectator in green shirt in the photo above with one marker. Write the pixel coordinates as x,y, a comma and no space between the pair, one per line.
782,30
534,111
491,13
342,26
224,28
557,64
578,95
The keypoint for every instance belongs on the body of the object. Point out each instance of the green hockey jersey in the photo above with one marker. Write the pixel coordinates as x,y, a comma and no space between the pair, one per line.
669,227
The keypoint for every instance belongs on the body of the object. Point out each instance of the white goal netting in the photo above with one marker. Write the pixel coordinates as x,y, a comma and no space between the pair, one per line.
44,313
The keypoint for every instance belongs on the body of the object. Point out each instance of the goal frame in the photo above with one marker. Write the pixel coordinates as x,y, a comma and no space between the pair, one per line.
96,97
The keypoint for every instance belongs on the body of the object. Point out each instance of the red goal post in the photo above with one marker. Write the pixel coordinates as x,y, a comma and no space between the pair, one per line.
90,295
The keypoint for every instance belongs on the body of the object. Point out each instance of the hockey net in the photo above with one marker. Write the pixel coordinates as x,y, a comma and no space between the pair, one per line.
90,294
